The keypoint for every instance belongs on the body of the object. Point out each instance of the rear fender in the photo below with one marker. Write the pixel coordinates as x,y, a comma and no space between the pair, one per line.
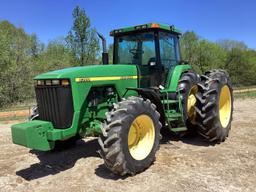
174,77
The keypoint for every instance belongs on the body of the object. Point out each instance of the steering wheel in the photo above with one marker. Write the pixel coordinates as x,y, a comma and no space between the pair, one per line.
168,60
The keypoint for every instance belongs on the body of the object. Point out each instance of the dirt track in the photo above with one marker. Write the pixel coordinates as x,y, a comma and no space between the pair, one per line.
181,165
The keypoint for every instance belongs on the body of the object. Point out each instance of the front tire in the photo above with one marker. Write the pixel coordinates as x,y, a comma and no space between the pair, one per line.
130,136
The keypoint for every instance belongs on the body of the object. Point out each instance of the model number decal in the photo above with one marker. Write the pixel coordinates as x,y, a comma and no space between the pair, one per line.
89,79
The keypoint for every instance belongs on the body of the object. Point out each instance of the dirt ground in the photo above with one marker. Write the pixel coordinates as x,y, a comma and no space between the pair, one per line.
182,164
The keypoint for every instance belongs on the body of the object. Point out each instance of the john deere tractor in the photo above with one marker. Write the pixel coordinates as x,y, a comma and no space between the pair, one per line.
128,102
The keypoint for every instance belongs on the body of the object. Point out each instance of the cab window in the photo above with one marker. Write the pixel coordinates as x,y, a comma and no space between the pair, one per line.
169,49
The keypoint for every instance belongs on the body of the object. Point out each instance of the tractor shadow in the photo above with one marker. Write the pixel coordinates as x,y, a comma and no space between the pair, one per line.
190,139
54,162
104,173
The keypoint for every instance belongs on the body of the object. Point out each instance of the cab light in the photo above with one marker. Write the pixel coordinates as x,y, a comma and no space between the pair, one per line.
65,82
155,25
144,26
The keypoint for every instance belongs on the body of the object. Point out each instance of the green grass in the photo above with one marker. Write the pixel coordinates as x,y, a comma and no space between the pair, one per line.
251,94
19,106
244,87
13,118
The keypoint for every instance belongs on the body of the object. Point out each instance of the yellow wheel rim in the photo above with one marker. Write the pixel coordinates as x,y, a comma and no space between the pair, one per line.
225,106
191,102
141,137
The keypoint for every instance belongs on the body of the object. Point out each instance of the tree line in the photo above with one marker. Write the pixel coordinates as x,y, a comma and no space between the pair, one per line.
22,56
233,56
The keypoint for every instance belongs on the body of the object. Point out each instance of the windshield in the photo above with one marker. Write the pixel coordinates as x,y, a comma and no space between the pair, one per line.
135,49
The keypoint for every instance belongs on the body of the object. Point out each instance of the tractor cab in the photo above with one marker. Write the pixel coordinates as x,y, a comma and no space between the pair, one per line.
153,48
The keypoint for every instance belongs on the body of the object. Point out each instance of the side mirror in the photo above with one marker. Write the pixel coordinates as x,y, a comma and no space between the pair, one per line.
152,63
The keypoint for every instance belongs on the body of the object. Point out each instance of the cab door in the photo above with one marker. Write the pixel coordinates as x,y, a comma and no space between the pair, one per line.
150,70
169,53
150,75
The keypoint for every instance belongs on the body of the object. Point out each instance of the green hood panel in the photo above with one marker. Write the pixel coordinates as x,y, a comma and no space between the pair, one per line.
90,71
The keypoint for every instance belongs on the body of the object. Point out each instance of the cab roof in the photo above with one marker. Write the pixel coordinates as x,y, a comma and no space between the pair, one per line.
164,27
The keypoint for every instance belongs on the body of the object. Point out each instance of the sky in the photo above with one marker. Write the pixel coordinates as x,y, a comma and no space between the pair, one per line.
210,19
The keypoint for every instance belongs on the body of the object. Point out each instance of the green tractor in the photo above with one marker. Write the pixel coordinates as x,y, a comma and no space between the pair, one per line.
128,102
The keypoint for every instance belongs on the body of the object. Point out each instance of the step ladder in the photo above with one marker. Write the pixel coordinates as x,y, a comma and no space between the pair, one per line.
172,114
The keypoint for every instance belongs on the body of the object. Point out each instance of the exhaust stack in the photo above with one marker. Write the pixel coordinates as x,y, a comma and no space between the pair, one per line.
104,47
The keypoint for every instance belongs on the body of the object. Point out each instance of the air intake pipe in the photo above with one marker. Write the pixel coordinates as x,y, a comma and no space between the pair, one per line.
104,47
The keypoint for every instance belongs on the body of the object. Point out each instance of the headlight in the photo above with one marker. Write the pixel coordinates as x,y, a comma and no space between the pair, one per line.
55,82
48,82
64,82
40,82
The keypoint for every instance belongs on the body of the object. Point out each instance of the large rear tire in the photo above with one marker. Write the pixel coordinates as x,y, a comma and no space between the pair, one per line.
130,136
215,106
188,88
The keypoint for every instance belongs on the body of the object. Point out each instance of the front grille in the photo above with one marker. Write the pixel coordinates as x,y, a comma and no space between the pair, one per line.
55,104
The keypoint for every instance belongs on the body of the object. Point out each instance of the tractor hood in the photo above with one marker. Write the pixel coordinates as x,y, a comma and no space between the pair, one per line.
90,71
